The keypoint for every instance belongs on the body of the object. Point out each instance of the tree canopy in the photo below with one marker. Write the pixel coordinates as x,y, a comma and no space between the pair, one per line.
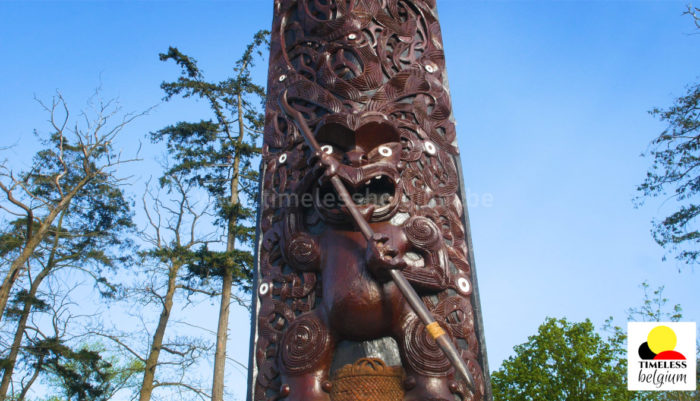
571,361
675,172
218,156
564,361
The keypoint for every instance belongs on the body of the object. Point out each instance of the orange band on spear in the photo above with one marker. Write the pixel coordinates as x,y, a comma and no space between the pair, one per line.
435,330
404,286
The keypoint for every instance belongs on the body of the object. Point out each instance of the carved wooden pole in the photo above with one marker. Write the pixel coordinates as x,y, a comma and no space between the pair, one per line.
363,237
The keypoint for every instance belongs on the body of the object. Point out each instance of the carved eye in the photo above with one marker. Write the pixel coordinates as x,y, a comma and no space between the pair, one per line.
385,151
327,149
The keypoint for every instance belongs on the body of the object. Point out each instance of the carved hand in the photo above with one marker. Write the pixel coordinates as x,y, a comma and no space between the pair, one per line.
381,257
325,165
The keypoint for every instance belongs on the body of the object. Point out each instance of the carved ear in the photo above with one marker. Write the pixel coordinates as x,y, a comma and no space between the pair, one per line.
299,249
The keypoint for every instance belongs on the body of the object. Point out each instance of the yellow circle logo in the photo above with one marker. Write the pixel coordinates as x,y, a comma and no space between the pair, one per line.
661,338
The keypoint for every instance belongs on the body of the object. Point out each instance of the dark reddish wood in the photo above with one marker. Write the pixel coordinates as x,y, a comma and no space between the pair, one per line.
421,231
368,78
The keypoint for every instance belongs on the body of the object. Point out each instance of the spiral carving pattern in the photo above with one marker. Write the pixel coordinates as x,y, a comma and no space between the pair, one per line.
345,65
422,232
302,252
422,352
304,345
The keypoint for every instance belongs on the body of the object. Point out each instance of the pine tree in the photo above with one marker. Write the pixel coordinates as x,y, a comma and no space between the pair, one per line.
218,156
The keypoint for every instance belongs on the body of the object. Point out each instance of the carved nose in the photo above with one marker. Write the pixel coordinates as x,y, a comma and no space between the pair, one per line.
355,158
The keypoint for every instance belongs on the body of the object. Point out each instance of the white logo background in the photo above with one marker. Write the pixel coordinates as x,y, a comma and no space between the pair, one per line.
661,379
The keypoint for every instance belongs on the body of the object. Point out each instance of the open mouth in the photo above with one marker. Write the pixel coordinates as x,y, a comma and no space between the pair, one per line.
379,191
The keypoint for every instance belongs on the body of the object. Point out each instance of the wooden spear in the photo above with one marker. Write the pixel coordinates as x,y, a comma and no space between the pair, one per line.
433,327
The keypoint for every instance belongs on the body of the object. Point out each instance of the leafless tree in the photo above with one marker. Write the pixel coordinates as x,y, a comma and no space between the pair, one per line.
172,238
693,12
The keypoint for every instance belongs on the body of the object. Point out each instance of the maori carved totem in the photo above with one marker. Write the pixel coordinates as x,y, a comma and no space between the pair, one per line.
367,77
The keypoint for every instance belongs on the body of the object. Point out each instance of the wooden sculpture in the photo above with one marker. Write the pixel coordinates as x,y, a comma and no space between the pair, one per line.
361,190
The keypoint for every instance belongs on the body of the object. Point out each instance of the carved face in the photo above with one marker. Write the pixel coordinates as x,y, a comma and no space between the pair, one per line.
369,160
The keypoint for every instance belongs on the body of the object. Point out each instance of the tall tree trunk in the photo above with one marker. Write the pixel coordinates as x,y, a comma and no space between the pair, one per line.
157,343
222,338
19,332
16,267
27,309
217,391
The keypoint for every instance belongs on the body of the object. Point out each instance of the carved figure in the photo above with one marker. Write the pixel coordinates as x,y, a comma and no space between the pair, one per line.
368,77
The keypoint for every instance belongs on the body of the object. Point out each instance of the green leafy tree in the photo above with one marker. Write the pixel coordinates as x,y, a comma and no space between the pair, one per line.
570,361
75,160
55,351
82,374
218,156
675,172
564,361
72,179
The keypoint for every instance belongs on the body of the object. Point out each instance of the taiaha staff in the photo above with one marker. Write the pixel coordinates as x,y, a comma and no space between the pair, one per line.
433,327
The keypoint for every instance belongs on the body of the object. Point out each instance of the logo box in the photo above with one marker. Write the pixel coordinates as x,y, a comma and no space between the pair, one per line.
661,356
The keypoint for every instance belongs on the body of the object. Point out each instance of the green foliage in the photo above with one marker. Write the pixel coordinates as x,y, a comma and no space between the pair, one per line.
21,298
67,210
563,361
571,361
98,217
674,172
653,309
12,239
82,374
240,263
676,158
78,166
218,155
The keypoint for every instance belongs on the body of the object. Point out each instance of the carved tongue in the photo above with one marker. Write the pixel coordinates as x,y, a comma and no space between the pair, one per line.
367,212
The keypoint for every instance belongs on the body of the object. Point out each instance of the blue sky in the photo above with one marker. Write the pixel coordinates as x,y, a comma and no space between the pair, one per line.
551,100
